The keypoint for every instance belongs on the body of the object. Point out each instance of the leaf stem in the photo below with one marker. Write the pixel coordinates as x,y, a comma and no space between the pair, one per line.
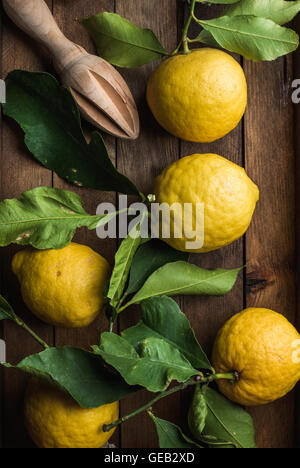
124,307
199,379
184,39
186,28
191,41
31,332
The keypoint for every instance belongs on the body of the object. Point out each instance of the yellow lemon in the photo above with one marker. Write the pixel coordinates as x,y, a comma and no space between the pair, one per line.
62,287
264,349
54,420
200,96
211,202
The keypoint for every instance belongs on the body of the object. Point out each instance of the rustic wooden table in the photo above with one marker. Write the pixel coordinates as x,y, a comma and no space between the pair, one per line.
264,143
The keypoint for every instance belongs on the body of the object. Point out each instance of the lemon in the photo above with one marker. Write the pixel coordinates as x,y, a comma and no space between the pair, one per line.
211,201
62,287
263,347
200,96
54,420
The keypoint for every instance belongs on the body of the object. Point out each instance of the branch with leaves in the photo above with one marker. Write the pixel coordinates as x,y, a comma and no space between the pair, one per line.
251,28
161,349
158,270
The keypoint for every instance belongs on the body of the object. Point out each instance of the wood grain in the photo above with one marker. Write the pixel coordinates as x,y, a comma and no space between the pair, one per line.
65,12
270,241
143,160
263,143
296,126
19,172
208,314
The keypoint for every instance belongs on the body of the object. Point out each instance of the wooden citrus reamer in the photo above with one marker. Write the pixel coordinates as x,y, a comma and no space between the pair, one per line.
100,91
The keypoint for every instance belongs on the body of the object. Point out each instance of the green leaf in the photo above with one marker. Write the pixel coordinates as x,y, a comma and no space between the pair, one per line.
255,38
156,365
148,258
171,436
213,442
205,37
45,218
221,2
79,373
51,121
162,318
6,311
123,261
228,421
183,278
279,11
121,42
197,413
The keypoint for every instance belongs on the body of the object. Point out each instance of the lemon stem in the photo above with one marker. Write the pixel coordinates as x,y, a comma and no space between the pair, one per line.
184,39
185,42
199,379
23,325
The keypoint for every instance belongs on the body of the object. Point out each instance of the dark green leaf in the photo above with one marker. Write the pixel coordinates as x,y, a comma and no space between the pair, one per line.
255,38
149,257
123,261
162,318
156,365
171,436
221,2
213,442
197,413
205,37
279,11
228,421
121,42
79,373
50,119
45,218
6,311
183,278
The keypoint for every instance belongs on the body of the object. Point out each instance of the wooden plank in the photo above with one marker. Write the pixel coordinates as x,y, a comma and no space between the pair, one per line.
270,243
296,75
143,160
208,314
1,325
268,249
65,13
19,172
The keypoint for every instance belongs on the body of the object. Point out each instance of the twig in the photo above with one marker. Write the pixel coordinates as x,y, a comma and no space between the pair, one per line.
184,40
198,379
30,331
